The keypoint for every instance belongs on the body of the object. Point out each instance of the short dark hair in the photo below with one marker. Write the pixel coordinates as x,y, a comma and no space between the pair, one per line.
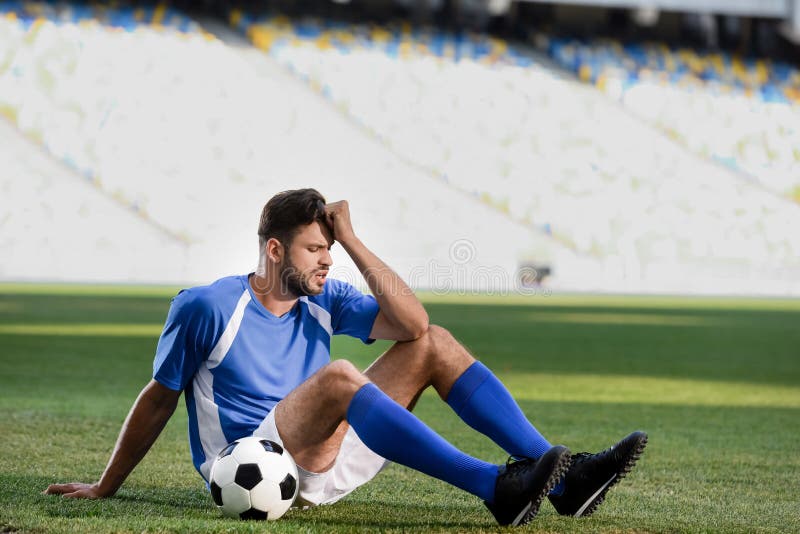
287,211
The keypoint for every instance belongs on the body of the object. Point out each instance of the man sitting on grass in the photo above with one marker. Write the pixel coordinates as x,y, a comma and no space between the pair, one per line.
251,353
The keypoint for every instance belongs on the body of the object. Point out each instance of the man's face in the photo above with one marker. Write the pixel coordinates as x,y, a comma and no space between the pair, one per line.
306,262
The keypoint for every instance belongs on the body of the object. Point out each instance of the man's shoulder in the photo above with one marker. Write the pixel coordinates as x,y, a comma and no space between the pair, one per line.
216,296
334,286
334,290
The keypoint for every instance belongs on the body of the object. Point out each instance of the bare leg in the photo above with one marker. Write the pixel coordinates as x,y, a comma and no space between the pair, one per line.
311,419
405,370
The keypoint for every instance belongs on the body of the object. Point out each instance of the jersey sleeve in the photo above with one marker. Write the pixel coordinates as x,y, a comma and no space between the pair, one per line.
354,313
185,341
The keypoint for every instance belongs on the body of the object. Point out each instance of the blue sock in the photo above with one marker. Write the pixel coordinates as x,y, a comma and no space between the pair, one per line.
396,434
484,403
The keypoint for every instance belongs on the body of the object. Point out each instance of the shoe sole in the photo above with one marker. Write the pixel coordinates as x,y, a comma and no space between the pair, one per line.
563,464
599,496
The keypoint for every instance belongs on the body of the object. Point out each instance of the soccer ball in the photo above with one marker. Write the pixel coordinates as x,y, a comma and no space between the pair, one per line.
253,478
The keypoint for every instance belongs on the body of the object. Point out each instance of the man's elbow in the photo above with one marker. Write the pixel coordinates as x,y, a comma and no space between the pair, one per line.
418,328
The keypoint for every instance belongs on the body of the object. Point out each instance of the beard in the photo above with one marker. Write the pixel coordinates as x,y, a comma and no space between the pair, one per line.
295,281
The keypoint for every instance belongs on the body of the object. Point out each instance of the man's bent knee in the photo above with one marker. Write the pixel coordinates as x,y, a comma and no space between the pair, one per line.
341,369
439,333
341,378
448,358
437,340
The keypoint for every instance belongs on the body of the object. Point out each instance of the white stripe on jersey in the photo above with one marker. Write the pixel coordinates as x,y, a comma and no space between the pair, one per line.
211,436
208,424
320,314
231,329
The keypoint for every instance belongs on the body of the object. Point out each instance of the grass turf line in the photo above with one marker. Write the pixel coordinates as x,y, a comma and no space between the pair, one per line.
716,383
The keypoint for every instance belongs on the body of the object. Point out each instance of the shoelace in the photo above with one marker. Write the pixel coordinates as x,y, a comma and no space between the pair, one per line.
514,466
581,457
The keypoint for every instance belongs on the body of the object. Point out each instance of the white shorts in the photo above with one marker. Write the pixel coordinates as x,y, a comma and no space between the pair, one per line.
355,465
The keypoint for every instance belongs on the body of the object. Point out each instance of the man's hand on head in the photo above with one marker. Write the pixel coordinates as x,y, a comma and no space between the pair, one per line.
337,215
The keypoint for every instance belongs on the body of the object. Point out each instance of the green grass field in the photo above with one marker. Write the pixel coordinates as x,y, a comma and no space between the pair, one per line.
715,382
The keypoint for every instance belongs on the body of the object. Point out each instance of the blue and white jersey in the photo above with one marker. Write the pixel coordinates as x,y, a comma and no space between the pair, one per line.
235,360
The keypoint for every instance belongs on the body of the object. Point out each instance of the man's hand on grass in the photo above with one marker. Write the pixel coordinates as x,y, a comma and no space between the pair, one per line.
76,490
144,423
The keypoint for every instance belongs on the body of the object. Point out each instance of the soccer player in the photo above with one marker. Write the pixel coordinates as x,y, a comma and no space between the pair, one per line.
251,354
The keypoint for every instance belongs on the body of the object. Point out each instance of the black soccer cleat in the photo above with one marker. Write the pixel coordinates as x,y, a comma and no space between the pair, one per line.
523,484
592,475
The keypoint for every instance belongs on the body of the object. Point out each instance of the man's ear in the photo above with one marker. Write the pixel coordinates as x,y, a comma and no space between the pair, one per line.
275,250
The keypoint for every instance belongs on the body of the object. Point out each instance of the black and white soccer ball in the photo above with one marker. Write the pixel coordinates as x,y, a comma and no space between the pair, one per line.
254,478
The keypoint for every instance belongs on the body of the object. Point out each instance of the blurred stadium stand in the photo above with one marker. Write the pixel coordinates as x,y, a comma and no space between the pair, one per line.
779,9
192,136
598,181
465,156
742,113
55,227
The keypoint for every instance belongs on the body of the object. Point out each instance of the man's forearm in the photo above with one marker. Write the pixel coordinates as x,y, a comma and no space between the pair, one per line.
144,423
396,300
